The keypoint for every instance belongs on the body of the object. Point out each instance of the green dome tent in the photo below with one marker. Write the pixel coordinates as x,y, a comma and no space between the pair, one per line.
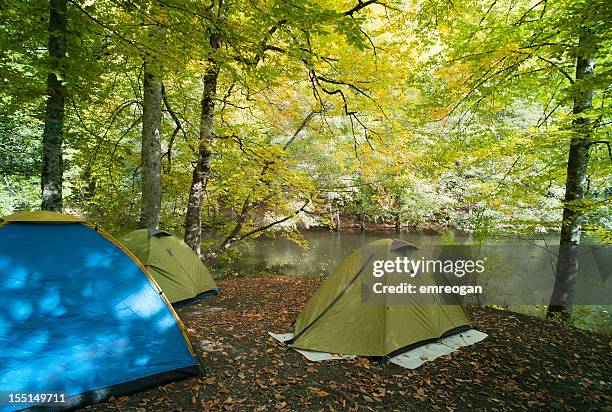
335,320
176,268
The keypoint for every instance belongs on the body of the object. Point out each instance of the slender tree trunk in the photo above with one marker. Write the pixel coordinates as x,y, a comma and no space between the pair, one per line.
398,214
334,217
52,163
151,147
575,186
201,172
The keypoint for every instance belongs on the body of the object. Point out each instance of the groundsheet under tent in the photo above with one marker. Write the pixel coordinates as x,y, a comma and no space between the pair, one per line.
410,359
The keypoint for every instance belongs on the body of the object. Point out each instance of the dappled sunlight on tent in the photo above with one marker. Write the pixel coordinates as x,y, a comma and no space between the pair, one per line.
166,322
15,277
91,320
100,258
142,360
35,342
21,310
139,304
87,290
50,301
20,376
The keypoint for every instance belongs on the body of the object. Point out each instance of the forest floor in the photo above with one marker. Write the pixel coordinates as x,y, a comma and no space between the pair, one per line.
524,364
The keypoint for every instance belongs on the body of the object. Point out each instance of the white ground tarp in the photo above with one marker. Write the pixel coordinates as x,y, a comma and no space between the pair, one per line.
414,358
309,354
411,359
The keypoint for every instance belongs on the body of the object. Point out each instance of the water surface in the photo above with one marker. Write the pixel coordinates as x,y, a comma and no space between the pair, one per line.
325,249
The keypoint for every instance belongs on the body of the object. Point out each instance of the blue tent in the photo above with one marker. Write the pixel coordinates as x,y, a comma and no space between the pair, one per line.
80,316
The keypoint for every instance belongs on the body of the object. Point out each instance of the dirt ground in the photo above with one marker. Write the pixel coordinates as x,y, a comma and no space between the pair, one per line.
524,364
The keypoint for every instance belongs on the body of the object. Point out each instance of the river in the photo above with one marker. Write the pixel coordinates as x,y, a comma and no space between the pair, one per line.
324,249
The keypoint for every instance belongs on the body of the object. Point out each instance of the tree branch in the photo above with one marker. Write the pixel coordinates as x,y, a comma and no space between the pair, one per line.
178,127
230,241
560,69
604,142
360,5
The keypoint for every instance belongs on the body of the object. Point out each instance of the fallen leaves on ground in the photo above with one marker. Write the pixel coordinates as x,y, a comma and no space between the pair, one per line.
524,364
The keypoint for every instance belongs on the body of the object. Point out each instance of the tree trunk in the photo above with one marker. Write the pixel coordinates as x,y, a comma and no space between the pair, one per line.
151,147
52,163
398,214
361,217
201,172
575,186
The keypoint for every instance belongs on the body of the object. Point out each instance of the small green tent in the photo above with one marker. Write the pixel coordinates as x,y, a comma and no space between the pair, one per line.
336,320
176,268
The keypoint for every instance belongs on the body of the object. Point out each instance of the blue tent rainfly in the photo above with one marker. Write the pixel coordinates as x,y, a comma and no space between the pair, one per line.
81,316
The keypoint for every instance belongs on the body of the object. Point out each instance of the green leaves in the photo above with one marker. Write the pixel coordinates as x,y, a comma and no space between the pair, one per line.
454,112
